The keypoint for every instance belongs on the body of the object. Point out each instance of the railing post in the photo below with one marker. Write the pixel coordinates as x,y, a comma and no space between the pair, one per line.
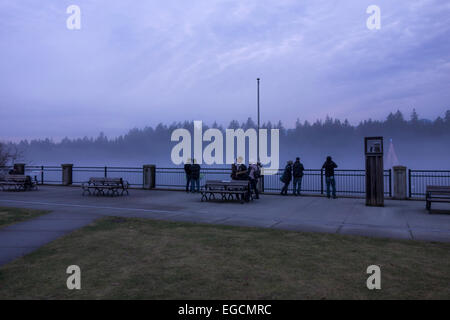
409,183
321,181
42,174
106,171
66,174
149,179
390,182
400,182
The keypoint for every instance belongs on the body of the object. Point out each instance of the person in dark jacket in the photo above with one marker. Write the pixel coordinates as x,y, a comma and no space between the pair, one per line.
187,170
286,177
233,171
297,173
329,167
253,175
195,176
241,171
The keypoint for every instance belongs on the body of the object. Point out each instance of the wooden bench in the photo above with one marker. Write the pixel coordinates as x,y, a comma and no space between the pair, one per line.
437,194
226,189
105,186
17,182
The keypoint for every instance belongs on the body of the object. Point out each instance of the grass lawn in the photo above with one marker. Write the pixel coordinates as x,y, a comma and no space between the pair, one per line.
146,259
10,216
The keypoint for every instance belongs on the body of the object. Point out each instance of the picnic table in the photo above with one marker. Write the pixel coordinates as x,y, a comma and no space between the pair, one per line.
17,182
105,186
227,190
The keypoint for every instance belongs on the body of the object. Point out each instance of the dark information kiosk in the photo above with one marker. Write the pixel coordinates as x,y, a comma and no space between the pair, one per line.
374,171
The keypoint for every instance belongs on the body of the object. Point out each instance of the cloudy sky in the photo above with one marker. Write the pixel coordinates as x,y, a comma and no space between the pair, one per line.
141,62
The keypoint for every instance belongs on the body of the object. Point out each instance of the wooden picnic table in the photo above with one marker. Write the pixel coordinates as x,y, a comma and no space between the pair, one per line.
17,182
105,186
227,189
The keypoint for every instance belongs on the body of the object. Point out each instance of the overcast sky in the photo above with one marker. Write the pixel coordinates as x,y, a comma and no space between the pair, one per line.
141,62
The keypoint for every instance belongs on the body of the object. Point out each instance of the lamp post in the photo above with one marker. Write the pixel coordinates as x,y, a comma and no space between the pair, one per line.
257,134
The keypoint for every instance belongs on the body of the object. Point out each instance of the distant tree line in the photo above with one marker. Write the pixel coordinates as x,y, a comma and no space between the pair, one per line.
330,134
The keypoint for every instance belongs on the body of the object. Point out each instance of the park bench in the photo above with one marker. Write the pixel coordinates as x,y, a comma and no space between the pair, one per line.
437,194
105,186
17,182
226,189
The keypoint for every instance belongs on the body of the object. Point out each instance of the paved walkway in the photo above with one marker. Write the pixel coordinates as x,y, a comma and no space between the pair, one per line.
24,237
70,211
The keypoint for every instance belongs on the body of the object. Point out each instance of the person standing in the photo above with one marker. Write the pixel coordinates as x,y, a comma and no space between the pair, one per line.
297,173
187,171
233,170
195,176
286,177
253,175
329,167
241,171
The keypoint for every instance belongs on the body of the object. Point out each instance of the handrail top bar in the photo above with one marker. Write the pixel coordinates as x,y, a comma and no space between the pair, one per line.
413,170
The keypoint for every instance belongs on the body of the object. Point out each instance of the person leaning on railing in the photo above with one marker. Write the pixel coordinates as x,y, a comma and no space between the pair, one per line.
195,176
297,173
286,178
329,167
187,170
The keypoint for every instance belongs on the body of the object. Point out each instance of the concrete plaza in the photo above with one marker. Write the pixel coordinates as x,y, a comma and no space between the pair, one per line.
70,210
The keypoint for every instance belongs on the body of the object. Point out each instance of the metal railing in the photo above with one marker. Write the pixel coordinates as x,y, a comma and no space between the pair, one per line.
134,175
348,182
419,179
175,178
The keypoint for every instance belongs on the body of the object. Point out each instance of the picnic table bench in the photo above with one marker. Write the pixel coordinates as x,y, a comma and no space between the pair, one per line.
226,189
17,182
105,186
437,194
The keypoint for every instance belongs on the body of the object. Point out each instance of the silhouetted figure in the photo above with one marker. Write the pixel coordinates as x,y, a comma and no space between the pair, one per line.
187,170
195,176
297,173
329,167
241,172
253,175
233,171
286,177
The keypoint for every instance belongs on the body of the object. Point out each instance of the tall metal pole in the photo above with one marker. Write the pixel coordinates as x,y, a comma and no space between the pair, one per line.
257,134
